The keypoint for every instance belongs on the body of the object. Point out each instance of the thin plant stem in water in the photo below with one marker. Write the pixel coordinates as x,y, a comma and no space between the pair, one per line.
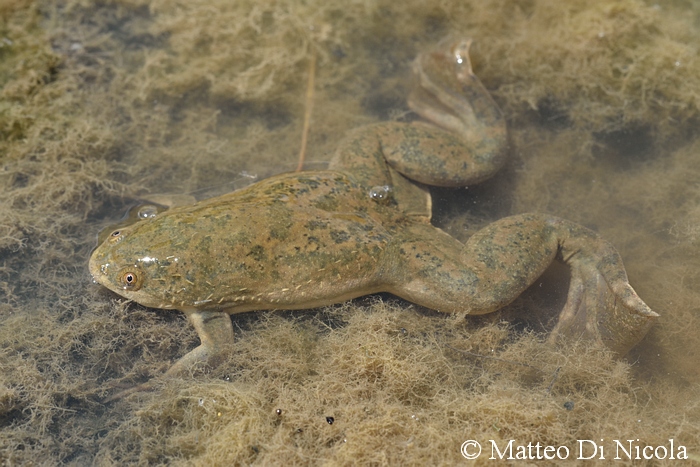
307,111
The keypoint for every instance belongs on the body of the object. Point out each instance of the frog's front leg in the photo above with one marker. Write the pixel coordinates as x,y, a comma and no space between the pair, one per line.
215,333
502,260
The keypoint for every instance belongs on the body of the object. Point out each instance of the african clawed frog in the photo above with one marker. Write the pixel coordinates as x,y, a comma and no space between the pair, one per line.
303,240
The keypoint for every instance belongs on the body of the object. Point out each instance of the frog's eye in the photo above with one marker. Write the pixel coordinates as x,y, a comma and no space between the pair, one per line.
130,279
116,236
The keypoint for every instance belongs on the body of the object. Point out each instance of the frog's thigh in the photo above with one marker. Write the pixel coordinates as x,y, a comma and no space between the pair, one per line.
431,155
495,265
216,335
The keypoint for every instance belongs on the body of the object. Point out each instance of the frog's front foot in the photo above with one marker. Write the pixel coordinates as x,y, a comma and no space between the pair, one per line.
147,386
216,335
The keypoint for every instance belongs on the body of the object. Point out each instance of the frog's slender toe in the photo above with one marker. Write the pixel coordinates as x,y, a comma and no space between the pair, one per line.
611,314
147,386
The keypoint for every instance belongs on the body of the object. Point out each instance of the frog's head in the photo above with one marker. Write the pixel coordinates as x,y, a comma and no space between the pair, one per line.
121,266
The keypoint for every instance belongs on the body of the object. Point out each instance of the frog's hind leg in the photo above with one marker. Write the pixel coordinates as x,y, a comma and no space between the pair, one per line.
601,304
465,141
500,261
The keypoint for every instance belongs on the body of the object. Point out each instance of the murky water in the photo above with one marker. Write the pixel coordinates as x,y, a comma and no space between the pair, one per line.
102,106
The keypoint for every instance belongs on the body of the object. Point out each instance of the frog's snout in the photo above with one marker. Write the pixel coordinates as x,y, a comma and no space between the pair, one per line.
97,269
95,273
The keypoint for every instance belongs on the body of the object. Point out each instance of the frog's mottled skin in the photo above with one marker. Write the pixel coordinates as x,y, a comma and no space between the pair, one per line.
302,240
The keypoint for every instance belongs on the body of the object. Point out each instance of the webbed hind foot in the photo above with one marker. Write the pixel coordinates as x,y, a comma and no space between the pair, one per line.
611,314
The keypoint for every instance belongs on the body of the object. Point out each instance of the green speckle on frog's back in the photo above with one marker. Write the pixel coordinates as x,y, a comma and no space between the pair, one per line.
307,239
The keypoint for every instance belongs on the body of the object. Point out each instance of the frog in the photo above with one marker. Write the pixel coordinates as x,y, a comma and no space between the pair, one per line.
308,239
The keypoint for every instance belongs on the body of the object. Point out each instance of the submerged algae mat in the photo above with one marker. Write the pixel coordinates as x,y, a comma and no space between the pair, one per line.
102,105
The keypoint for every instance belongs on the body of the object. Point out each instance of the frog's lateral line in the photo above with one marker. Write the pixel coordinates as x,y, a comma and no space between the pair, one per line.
302,240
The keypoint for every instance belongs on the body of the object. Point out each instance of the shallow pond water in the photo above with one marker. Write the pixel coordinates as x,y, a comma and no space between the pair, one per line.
102,106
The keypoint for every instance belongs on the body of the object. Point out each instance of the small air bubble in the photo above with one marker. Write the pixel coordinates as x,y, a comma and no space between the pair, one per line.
380,194
147,212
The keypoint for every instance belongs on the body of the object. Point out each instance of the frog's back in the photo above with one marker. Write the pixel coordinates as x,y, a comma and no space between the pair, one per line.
292,241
